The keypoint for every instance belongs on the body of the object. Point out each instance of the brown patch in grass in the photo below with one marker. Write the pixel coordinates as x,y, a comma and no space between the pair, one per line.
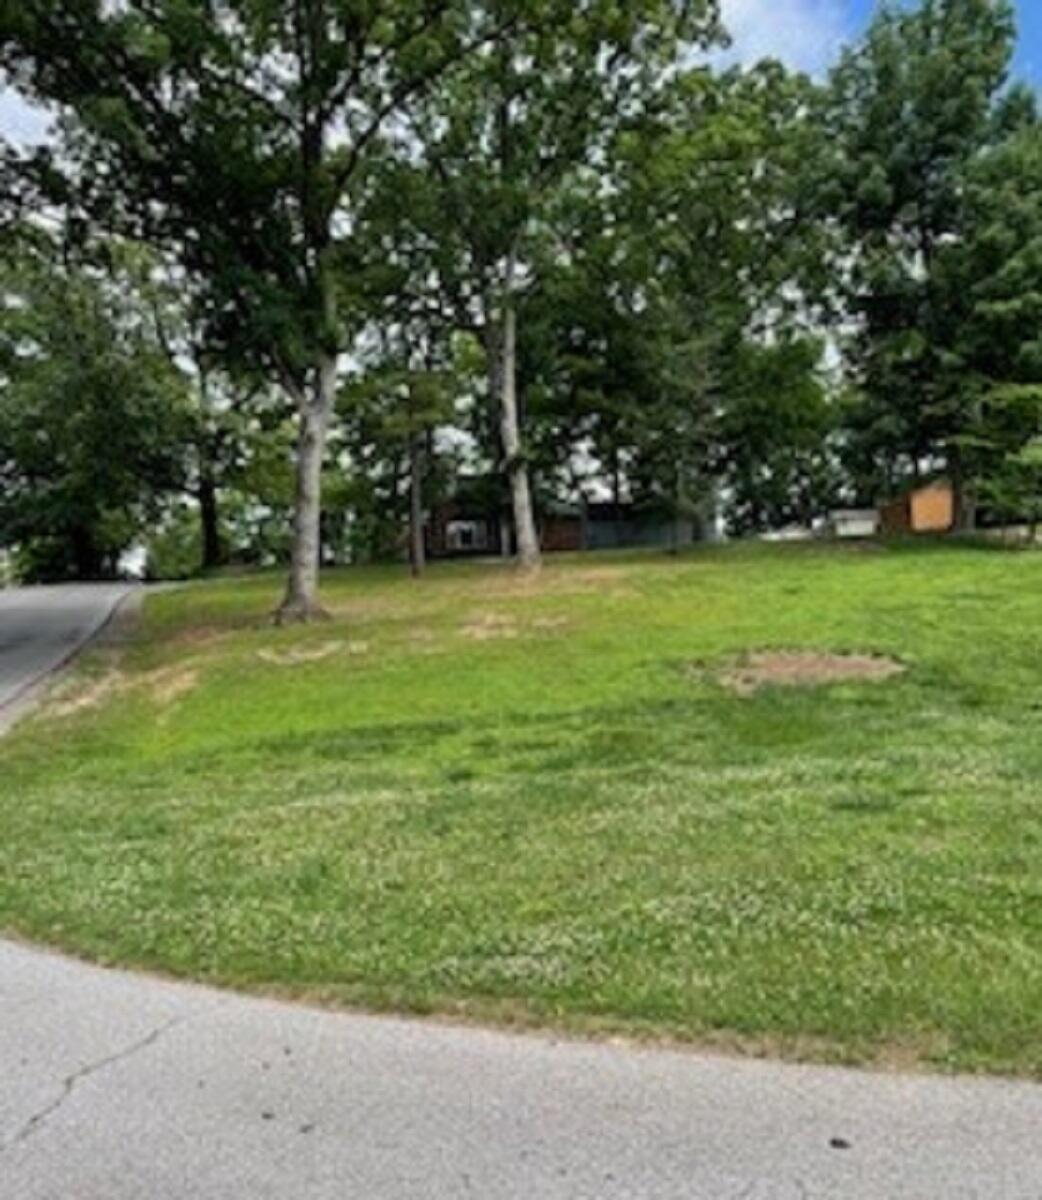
91,693
550,624
805,668
199,635
165,686
911,1053
169,684
488,627
302,655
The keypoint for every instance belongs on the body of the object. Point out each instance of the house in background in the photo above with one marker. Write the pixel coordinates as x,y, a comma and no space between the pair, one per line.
477,522
455,530
849,523
929,508
926,508
473,522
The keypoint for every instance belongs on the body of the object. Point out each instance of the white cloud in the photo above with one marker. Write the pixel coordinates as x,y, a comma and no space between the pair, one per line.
804,34
20,122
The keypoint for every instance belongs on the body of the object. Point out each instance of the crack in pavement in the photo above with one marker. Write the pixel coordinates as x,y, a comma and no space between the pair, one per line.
70,1082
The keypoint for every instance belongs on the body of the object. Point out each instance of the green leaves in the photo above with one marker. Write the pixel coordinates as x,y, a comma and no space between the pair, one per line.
93,418
913,111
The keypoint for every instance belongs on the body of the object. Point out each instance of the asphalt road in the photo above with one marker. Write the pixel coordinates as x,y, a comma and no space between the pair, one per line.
40,629
119,1087
116,1086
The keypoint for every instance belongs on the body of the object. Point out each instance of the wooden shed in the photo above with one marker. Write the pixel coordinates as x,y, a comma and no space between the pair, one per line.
926,509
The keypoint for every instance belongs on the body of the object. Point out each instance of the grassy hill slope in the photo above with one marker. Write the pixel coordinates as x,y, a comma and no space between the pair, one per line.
542,801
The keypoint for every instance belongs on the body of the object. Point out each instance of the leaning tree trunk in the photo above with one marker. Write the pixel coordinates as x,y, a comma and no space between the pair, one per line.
510,431
301,602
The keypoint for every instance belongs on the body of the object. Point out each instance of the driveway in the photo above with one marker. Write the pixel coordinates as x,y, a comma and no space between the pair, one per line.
115,1086
41,628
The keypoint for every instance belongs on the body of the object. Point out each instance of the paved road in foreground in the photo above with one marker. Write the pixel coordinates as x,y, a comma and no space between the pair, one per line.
122,1087
40,628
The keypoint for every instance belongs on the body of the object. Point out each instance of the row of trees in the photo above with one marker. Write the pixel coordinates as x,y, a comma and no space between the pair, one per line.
548,226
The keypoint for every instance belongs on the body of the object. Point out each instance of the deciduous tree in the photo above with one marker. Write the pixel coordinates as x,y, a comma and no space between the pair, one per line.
231,132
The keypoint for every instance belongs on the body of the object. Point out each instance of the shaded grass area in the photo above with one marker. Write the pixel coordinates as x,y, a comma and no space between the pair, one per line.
533,800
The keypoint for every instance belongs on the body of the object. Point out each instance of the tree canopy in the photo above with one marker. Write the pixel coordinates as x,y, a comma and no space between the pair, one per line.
335,265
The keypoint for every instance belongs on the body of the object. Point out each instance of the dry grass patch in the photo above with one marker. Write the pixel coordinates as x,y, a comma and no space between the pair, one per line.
805,668
165,686
170,684
300,656
490,627
75,696
550,624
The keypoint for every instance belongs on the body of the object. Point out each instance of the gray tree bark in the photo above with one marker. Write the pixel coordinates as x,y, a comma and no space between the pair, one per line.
528,553
301,603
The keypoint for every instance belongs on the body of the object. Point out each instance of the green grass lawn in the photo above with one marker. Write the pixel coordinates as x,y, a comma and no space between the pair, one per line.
534,801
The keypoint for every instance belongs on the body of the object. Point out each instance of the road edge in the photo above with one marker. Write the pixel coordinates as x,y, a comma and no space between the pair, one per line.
17,707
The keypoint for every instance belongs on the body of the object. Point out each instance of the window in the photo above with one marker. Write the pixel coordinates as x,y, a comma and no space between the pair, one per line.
467,536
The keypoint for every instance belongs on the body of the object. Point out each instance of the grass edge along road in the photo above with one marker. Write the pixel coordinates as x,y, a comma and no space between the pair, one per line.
545,802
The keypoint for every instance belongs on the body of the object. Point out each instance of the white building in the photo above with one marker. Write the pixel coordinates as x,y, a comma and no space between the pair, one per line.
854,522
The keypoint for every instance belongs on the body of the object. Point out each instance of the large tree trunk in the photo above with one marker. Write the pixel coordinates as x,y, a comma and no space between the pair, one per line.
964,498
87,558
314,413
510,431
209,517
417,548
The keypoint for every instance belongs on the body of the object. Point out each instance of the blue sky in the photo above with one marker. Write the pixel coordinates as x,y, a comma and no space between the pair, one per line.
809,33
1029,56
1029,15
803,33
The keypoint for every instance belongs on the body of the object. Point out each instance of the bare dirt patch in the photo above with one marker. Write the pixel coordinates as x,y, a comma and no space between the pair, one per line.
805,668
302,655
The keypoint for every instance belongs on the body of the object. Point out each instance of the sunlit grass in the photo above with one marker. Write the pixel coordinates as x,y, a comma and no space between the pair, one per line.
535,801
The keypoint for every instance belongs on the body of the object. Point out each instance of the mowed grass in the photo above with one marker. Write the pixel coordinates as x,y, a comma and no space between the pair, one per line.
534,801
